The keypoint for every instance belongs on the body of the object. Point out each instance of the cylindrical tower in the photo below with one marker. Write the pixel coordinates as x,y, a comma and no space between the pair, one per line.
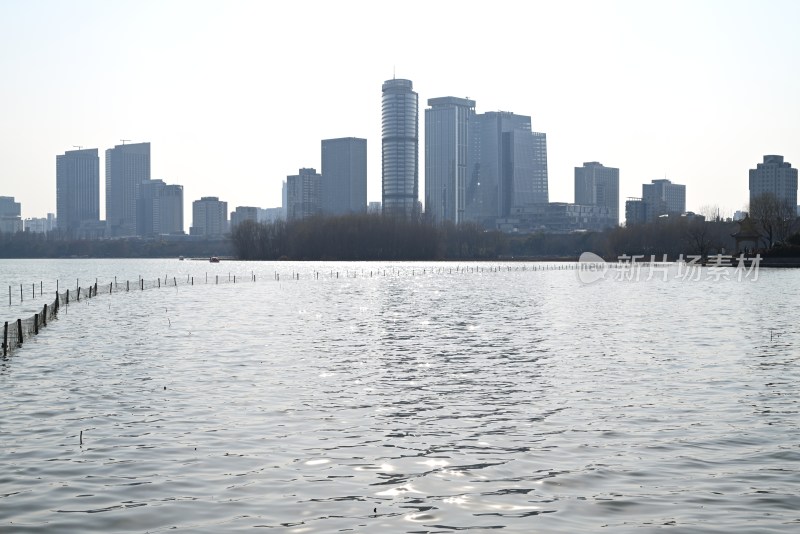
400,143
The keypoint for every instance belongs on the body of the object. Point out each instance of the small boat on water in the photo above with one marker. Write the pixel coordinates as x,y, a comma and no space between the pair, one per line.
213,259
180,258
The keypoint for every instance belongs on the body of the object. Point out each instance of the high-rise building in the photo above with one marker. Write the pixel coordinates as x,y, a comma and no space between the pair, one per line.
77,189
596,185
209,217
774,176
662,197
635,211
127,166
170,210
159,209
344,171
447,130
400,148
10,215
244,213
507,167
303,194
271,215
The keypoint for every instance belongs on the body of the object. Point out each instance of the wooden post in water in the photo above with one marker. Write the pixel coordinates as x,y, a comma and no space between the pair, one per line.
127,285
20,292
33,291
141,282
67,296
36,323
44,315
159,283
175,280
5,339
78,298
19,331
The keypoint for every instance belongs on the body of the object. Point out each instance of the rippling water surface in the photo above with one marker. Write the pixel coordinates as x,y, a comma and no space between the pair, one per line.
421,401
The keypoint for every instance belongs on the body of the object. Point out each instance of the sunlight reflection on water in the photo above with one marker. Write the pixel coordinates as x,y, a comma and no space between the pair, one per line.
514,400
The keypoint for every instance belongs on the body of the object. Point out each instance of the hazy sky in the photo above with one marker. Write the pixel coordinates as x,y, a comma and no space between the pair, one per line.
236,95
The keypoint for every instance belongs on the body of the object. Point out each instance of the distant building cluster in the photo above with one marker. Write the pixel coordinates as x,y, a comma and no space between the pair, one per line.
659,198
136,205
487,168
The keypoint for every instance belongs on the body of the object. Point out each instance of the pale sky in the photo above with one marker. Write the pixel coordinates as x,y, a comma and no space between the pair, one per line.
236,95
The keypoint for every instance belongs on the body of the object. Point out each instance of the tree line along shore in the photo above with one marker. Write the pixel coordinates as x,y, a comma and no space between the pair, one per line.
371,237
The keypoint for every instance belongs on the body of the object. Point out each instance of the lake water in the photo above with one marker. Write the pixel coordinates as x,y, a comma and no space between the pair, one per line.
432,399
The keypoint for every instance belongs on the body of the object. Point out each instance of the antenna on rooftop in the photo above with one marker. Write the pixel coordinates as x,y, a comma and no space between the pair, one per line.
125,140
77,146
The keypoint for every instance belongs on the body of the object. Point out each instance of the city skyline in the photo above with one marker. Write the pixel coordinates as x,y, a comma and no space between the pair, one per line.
616,87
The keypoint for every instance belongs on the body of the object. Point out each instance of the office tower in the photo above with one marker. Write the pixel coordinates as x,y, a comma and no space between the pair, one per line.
400,148
635,211
507,167
662,197
77,189
209,217
344,171
159,209
244,213
170,210
774,176
10,215
596,185
303,194
447,129
284,201
146,197
127,166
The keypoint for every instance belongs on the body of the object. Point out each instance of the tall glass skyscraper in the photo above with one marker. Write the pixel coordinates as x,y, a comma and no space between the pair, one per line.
400,148
127,166
77,189
447,128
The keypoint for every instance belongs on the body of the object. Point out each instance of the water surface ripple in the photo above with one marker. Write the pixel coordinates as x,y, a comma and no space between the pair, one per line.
518,401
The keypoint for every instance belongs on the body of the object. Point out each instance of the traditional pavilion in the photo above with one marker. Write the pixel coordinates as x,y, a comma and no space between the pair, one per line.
748,233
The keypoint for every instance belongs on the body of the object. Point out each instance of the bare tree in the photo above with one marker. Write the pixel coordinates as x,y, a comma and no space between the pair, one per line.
775,217
713,212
